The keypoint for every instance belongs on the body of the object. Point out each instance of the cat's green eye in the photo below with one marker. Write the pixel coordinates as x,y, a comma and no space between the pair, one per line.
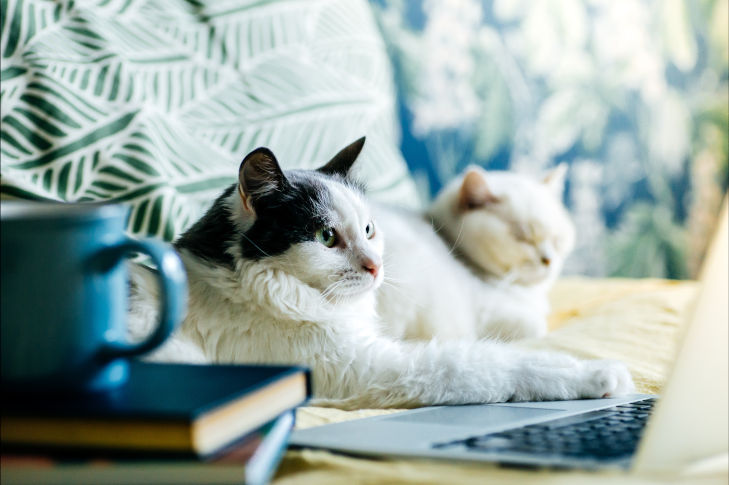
327,236
370,230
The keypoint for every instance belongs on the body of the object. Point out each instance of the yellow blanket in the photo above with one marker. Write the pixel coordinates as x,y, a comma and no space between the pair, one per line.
635,321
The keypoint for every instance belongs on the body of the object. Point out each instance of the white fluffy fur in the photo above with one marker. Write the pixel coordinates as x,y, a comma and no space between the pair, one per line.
507,236
278,310
429,293
497,287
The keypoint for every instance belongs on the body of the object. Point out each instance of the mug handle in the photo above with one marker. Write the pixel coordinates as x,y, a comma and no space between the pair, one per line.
173,294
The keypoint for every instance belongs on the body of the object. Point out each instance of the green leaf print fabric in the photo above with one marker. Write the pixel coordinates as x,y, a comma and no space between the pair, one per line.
154,104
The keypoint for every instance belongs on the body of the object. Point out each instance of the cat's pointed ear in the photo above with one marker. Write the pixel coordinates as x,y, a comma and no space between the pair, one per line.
475,192
259,176
342,161
555,179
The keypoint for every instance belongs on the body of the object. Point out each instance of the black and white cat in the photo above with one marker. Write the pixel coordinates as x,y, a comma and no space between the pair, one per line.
283,269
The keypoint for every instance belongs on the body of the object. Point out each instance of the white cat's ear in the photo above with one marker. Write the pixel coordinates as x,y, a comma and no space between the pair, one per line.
343,161
475,191
555,179
259,176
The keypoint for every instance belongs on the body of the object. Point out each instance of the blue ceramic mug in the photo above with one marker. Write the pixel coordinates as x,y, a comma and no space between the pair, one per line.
64,295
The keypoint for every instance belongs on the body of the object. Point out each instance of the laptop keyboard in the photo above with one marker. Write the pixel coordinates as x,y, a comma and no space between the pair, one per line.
607,434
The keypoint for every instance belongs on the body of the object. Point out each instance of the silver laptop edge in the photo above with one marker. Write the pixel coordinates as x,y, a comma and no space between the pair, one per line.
406,435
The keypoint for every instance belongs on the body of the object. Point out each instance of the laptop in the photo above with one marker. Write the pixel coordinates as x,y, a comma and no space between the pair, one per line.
685,427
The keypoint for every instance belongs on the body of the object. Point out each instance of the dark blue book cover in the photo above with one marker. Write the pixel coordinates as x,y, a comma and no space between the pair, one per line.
252,461
162,407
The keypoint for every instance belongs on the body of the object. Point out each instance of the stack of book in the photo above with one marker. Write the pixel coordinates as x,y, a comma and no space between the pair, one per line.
170,423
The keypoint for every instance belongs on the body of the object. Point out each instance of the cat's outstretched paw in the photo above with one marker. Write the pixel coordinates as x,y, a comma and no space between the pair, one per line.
607,378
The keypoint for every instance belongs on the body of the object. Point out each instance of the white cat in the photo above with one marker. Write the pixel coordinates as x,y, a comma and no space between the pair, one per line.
512,229
510,234
508,225
506,238
283,269
429,293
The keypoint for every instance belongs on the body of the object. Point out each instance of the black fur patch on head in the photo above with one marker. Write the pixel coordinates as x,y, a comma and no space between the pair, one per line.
289,217
211,236
282,219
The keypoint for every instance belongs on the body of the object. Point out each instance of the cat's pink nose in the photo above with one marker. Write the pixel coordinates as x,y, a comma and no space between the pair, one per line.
371,267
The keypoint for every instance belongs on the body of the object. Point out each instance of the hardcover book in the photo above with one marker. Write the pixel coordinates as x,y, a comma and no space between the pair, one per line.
166,408
250,461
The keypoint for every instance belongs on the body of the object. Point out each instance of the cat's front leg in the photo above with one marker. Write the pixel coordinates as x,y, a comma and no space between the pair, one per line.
554,376
394,374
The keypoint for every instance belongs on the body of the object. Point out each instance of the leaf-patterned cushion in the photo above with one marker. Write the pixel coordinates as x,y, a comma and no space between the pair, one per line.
154,104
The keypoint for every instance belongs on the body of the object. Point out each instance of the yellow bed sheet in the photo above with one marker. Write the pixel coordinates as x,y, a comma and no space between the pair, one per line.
635,321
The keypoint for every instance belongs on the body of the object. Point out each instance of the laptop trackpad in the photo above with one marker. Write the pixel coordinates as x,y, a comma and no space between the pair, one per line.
475,415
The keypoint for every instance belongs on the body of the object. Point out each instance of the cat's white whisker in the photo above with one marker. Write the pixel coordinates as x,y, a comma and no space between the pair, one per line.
254,244
393,280
458,238
332,288
451,246
401,292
